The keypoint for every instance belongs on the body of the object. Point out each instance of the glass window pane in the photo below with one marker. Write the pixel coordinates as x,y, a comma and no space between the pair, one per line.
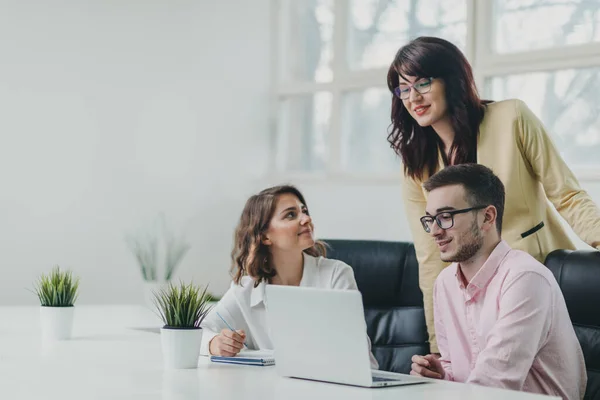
365,119
378,28
309,49
566,101
302,140
537,24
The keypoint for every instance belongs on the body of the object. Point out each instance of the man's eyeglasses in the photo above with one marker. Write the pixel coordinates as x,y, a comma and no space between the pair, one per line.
445,219
422,86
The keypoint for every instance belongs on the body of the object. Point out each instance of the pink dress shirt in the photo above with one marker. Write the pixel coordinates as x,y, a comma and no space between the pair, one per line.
508,328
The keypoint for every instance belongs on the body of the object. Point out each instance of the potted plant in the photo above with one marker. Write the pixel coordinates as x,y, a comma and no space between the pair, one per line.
158,253
182,309
57,292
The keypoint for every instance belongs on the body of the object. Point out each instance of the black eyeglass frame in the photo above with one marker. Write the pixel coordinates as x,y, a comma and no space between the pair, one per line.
427,220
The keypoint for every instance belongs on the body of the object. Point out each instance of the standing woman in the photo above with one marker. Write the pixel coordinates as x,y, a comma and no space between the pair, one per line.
438,120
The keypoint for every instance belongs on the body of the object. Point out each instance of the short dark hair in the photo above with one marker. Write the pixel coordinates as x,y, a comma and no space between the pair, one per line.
481,185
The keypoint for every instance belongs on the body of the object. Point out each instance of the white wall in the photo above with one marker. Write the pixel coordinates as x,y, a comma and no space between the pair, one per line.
345,209
115,111
112,112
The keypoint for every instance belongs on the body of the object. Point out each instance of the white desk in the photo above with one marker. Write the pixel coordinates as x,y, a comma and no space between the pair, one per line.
109,357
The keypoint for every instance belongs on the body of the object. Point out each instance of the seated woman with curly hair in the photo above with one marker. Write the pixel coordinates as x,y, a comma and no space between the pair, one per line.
274,244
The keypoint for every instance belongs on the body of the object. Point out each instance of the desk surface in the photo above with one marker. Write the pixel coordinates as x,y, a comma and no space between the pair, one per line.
115,354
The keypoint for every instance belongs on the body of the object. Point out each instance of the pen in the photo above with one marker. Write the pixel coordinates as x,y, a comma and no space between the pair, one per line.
228,326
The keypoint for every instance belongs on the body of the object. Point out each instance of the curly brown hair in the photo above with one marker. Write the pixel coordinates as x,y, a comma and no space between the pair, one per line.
249,255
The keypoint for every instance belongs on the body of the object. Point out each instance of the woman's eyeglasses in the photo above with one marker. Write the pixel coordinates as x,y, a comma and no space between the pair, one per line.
422,86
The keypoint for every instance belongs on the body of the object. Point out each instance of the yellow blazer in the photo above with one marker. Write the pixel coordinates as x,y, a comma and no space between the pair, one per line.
514,144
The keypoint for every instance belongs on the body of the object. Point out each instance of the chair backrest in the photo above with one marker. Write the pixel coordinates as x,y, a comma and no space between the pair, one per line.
578,275
387,275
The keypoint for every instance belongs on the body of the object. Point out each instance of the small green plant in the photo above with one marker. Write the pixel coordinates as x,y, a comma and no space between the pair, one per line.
159,252
182,306
57,289
145,253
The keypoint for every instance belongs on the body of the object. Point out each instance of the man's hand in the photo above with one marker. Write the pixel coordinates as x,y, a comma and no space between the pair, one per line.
428,366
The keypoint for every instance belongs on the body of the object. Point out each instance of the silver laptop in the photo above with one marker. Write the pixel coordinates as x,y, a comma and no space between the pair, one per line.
321,334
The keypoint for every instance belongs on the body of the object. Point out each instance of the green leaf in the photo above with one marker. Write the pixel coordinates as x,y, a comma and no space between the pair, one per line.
181,306
57,289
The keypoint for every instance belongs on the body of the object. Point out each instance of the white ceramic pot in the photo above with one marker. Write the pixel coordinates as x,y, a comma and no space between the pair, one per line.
180,347
56,322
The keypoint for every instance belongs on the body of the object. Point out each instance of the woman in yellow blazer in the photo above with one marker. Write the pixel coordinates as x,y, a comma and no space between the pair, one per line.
438,119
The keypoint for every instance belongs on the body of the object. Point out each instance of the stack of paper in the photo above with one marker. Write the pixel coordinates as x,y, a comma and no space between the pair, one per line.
248,357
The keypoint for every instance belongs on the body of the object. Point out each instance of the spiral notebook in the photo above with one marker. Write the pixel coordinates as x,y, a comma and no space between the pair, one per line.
248,357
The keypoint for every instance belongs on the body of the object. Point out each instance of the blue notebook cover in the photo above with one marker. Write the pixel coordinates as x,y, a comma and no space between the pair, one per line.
248,357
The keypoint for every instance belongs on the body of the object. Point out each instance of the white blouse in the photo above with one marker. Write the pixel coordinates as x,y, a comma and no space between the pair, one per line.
243,306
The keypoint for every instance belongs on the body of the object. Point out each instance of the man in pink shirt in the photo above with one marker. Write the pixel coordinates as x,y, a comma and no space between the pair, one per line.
500,316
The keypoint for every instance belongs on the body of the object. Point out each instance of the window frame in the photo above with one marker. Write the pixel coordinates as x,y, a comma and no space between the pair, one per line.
486,65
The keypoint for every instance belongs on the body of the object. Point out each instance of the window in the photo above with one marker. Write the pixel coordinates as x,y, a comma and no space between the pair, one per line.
517,26
308,40
365,116
567,101
375,28
333,106
304,121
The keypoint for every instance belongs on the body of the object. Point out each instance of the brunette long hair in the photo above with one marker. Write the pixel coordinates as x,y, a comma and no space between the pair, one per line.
419,146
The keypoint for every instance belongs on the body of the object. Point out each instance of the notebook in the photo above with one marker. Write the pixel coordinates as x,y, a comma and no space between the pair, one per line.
248,357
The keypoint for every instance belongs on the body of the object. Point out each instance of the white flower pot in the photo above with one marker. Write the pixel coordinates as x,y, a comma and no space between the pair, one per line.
56,322
180,347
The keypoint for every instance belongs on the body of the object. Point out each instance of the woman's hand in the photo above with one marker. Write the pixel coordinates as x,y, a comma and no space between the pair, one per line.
227,343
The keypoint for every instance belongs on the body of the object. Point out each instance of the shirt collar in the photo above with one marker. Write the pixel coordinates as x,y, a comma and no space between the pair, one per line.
486,272
308,276
258,294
